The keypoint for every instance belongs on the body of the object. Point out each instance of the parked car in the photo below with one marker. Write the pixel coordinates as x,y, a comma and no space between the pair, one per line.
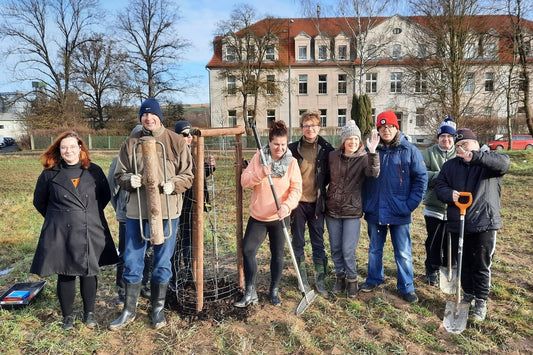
6,141
520,141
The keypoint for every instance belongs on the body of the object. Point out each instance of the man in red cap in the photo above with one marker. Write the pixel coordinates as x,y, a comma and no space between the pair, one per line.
388,202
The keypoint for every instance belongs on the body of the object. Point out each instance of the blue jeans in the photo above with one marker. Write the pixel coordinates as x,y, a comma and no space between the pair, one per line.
135,248
401,242
305,213
343,238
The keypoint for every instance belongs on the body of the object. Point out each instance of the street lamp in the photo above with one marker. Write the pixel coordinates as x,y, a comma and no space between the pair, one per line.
289,62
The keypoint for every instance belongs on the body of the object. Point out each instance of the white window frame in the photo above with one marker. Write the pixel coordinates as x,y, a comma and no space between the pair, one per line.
371,83
342,85
469,83
323,117
271,83
322,52
232,118
342,52
322,84
302,52
396,82
420,82
230,54
302,84
489,82
341,117
231,85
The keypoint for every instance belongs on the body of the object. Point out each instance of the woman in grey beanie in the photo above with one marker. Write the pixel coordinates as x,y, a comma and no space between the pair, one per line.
348,168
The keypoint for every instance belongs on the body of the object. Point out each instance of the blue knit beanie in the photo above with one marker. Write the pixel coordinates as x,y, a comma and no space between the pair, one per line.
447,126
181,126
151,106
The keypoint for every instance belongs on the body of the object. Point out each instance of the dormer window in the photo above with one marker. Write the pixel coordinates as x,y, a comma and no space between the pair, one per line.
322,52
230,54
343,53
302,53
270,53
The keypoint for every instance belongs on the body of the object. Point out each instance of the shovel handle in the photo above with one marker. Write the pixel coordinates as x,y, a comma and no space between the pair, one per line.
464,206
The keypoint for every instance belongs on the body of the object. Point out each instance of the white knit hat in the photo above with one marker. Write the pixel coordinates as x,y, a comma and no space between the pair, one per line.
350,129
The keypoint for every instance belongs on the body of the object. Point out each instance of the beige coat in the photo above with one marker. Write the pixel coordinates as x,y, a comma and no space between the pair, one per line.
179,171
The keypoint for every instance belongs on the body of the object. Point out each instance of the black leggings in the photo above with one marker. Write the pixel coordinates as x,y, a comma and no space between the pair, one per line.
66,292
256,232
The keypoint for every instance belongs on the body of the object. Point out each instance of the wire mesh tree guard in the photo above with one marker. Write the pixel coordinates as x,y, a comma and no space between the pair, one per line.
214,272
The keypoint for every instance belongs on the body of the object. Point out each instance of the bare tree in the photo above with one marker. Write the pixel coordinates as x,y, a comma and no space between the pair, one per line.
522,37
358,18
98,71
446,37
148,28
247,46
45,34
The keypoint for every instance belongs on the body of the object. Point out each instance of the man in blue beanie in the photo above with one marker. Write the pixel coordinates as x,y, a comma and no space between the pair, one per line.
178,178
435,210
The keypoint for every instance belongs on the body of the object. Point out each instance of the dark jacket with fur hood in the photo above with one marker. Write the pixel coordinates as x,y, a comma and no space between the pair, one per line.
347,174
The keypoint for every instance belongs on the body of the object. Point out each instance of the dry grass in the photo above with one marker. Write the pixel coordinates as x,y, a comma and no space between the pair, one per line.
375,323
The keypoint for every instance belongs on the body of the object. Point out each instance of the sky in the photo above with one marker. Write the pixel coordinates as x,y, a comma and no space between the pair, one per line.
198,23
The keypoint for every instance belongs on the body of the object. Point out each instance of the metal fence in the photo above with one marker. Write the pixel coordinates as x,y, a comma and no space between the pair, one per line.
92,142
114,142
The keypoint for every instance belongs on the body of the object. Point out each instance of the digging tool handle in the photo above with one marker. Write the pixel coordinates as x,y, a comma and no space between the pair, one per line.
465,205
462,210
293,256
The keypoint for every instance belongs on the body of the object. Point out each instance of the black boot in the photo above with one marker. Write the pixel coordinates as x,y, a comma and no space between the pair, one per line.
352,287
130,305
303,273
274,296
320,275
250,297
159,292
340,284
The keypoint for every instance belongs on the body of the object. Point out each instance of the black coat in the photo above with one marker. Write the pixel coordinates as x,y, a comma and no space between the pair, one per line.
482,177
75,238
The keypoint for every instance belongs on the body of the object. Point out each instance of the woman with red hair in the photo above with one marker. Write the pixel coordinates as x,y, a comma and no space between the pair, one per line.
71,194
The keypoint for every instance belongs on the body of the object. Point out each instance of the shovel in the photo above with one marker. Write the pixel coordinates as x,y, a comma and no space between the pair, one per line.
448,275
309,296
456,312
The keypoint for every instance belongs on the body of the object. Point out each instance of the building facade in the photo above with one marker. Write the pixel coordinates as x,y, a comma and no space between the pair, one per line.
319,65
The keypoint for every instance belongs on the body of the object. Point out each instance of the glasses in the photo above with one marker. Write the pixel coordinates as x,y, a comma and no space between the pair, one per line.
185,134
307,126
389,128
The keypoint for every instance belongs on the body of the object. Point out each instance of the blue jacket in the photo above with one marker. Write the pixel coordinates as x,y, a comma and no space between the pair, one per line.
397,191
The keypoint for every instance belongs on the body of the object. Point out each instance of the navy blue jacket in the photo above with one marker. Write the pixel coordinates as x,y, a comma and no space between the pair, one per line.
322,175
397,191
482,176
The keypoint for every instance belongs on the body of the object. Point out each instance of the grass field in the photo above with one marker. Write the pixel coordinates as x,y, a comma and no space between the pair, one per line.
376,323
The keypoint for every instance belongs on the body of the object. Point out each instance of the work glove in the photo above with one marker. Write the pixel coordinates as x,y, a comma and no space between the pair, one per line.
168,187
135,181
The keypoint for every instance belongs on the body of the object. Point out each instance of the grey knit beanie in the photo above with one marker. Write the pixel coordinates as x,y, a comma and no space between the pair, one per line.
350,129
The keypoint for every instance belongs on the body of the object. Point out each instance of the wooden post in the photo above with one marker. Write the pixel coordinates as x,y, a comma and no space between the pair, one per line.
151,185
238,200
198,151
198,220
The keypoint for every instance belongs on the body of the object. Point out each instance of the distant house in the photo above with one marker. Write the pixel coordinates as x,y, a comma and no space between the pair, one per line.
315,62
11,123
